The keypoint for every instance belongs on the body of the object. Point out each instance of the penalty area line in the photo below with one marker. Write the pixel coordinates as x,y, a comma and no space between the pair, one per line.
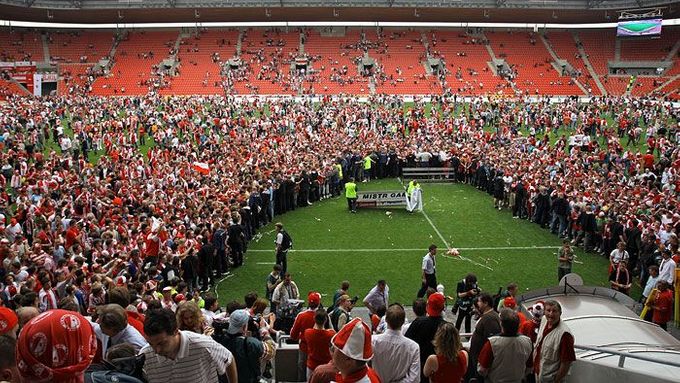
414,249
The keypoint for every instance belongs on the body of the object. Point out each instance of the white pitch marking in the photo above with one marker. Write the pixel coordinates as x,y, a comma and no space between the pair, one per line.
415,249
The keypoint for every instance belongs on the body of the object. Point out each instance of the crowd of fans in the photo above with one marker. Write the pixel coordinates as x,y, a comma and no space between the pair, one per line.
152,200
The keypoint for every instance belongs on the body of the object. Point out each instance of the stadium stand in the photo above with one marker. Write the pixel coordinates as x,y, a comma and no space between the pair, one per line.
467,63
564,46
79,46
123,203
268,54
334,63
20,45
531,64
136,64
201,56
401,56
8,88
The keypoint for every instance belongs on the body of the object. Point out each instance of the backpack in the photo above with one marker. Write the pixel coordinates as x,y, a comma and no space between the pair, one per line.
122,370
111,377
498,297
287,241
335,317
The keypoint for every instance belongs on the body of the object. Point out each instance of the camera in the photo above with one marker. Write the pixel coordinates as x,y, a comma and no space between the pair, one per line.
354,300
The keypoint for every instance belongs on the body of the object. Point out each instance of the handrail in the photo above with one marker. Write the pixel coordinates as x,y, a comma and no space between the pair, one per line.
623,355
609,316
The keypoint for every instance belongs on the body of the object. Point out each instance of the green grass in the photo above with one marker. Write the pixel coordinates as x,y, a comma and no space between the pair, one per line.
463,215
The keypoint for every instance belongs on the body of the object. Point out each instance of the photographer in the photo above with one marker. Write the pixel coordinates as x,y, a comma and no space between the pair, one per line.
247,349
341,315
467,290
284,297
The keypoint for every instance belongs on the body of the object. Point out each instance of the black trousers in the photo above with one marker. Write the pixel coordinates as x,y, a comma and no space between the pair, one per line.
430,281
352,204
282,259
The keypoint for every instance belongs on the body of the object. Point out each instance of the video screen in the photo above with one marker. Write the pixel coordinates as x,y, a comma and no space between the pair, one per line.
634,28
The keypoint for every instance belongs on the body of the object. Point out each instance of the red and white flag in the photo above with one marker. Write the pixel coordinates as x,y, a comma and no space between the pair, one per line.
201,167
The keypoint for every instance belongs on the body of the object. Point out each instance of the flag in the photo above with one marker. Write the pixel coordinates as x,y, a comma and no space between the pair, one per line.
201,167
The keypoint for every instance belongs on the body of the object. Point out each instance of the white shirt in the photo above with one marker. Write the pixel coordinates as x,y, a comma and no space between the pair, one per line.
428,264
128,335
200,359
617,256
651,283
377,298
667,270
396,358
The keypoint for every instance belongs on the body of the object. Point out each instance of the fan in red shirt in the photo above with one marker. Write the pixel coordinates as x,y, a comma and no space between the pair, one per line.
648,160
73,234
530,327
662,305
304,321
317,339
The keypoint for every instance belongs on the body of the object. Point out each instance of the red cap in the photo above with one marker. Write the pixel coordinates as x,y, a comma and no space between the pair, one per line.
510,302
314,297
179,298
435,304
8,319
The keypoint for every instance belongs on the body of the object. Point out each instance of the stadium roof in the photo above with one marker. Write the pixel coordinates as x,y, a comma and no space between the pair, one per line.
138,11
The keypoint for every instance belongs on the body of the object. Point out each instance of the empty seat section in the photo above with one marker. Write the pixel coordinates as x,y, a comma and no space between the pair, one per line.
564,46
136,56
79,46
645,86
200,56
10,88
649,49
531,63
466,60
20,45
600,46
615,85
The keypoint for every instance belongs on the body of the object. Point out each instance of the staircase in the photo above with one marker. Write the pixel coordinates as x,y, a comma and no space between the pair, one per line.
114,46
181,36
239,43
549,48
301,49
617,51
668,82
591,70
489,49
556,59
46,48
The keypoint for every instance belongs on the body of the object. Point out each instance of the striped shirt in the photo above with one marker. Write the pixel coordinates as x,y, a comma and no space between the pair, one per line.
200,359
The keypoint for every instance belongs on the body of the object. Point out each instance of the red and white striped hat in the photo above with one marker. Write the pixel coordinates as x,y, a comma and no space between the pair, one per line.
354,340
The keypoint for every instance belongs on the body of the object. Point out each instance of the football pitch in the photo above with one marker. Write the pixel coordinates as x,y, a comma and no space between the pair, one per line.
330,245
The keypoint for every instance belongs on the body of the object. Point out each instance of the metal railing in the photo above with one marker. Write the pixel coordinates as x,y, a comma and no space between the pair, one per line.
624,354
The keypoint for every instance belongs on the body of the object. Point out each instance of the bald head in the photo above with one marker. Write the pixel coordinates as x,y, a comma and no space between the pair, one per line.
26,313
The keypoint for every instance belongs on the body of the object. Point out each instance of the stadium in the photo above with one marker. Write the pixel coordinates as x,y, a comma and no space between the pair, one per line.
372,191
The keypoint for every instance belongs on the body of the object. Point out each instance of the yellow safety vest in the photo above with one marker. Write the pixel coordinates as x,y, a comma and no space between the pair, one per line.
351,190
411,187
339,167
367,163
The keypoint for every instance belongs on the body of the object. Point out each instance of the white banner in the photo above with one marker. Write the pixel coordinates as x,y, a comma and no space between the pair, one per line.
381,198
37,84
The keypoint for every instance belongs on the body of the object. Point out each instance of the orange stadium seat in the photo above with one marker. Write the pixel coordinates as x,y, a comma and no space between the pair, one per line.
135,56
532,63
